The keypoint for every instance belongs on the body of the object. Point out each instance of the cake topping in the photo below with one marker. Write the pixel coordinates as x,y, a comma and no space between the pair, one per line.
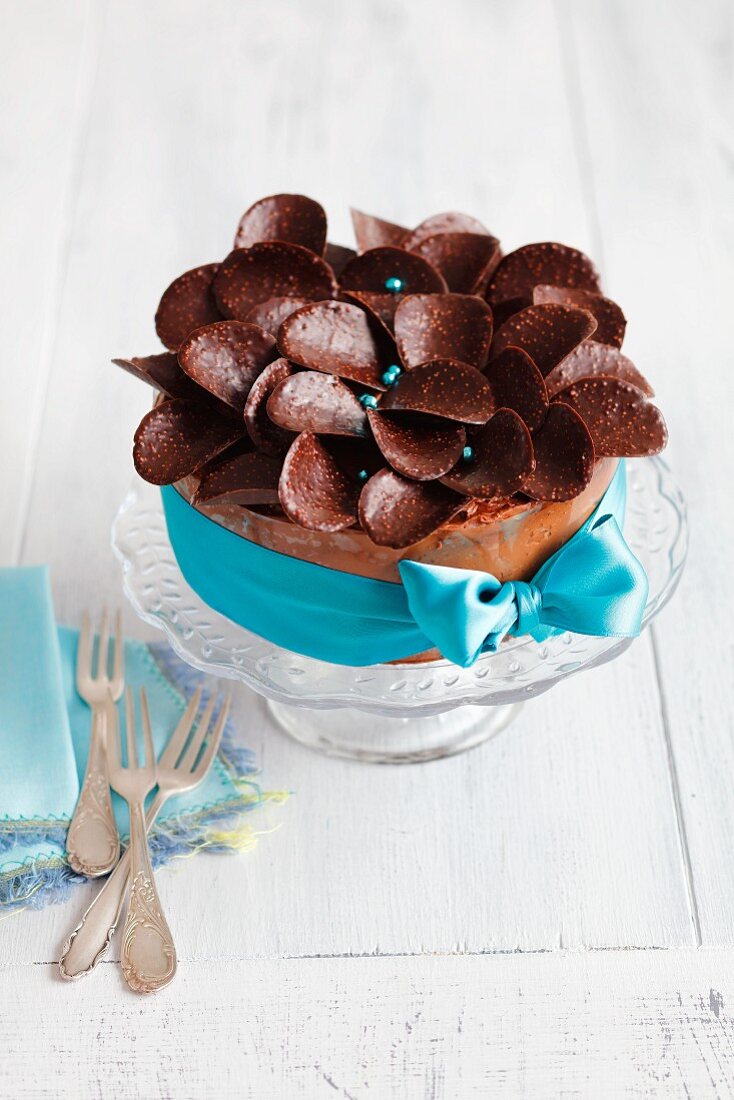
187,304
385,387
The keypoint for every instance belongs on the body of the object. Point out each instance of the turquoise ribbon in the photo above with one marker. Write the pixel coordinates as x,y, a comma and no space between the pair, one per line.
593,585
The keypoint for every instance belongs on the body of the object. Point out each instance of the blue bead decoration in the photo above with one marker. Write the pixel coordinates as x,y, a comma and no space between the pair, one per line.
392,374
363,475
394,285
368,401
468,454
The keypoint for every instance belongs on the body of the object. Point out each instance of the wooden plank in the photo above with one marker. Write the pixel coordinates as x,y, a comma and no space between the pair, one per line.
562,831
601,1024
661,144
47,59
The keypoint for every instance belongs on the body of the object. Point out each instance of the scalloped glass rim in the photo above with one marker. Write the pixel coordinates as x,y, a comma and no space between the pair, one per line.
655,527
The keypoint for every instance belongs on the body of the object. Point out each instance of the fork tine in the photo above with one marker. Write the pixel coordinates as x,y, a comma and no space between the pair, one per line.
213,744
103,645
84,649
147,731
177,740
118,669
113,744
189,757
130,724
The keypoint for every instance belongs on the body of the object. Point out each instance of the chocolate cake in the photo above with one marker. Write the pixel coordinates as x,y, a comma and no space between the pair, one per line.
422,396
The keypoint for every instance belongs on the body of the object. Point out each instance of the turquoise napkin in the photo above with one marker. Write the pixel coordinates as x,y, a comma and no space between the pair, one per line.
44,737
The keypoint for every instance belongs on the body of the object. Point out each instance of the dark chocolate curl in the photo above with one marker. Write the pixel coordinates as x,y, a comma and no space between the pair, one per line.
226,358
271,314
592,360
160,371
188,303
318,403
421,448
337,257
372,270
548,263
450,222
518,384
177,437
547,333
337,338
396,512
245,479
314,491
501,460
380,307
466,260
443,326
265,435
621,421
371,232
295,219
564,456
610,321
271,269
445,388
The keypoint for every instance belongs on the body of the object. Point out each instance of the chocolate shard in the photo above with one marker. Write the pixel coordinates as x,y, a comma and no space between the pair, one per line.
226,358
160,371
548,263
313,402
564,456
177,437
621,421
374,271
266,435
518,384
610,321
444,387
371,232
336,338
443,326
337,257
294,219
547,333
466,260
450,222
380,307
245,479
271,314
188,303
591,360
398,513
272,269
501,459
314,491
420,447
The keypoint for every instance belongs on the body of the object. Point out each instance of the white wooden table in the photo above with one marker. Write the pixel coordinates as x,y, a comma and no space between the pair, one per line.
552,914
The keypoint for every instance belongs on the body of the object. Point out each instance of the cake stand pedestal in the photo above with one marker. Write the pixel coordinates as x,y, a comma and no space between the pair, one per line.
389,713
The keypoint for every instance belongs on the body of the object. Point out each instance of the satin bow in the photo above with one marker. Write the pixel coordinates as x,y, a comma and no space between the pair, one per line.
592,585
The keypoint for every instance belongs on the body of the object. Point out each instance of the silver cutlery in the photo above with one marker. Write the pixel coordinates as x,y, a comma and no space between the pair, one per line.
181,767
93,843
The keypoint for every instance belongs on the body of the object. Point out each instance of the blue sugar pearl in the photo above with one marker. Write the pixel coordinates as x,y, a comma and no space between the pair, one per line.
392,374
468,454
394,285
363,475
368,401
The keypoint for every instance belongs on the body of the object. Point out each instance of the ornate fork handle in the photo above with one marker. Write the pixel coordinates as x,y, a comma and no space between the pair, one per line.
93,843
148,954
91,938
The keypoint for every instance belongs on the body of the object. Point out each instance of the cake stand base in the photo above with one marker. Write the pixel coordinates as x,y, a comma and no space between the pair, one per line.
376,739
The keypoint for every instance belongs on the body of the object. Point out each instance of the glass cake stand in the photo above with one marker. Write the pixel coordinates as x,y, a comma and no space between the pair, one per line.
389,713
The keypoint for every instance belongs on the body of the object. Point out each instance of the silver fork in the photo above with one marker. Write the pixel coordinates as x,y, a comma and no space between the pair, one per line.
93,843
177,771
